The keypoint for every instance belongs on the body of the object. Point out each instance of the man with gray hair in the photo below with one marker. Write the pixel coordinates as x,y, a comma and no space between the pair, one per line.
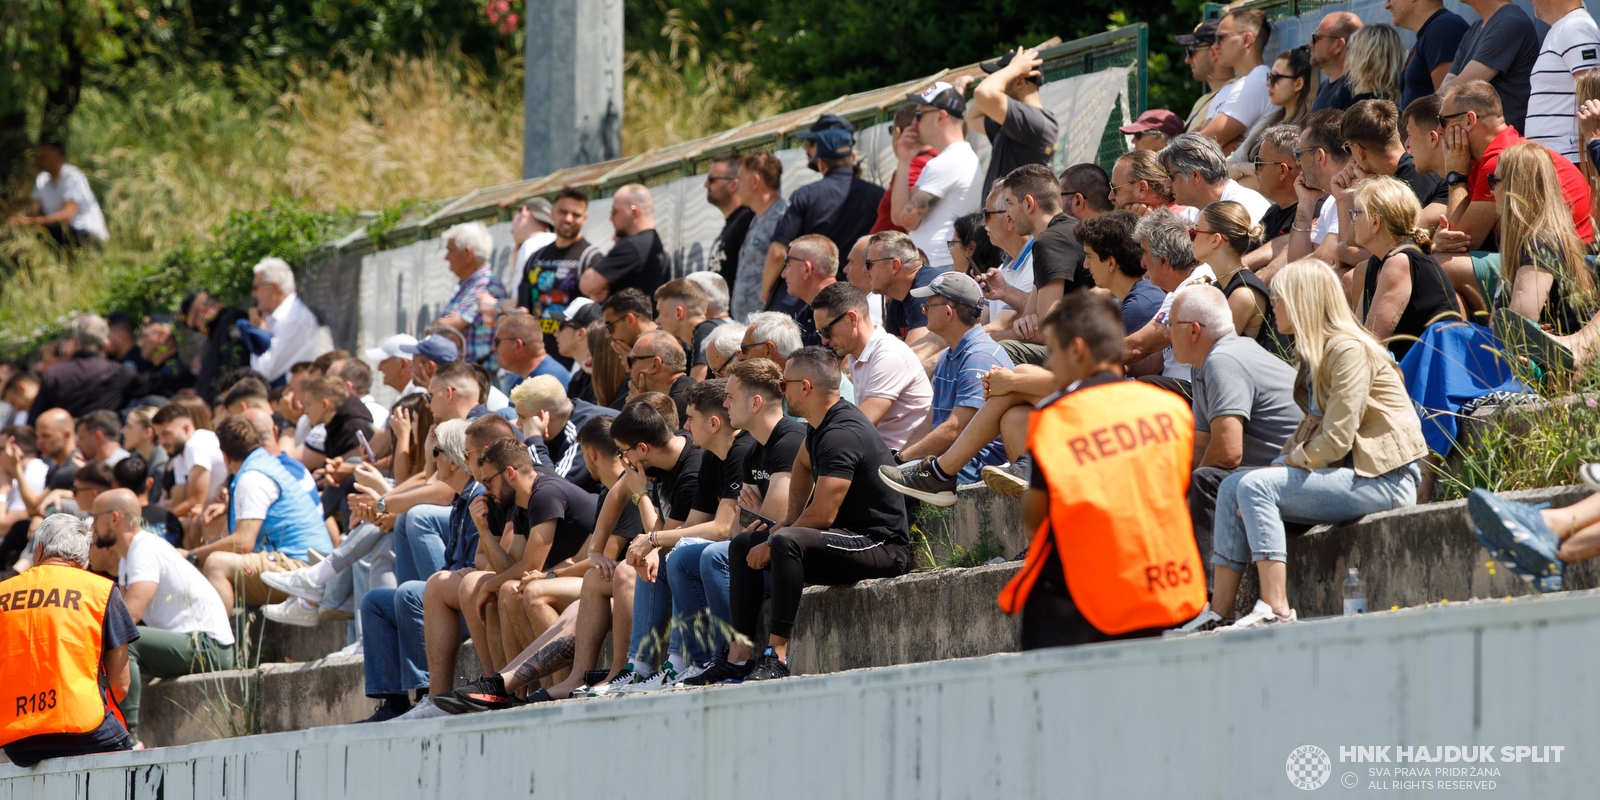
285,318
88,381
467,247
1170,264
716,289
1198,173
770,335
811,266
722,349
1244,405
638,260
658,364
65,633
1276,171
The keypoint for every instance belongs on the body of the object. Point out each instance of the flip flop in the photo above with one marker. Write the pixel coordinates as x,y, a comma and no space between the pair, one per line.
1523,337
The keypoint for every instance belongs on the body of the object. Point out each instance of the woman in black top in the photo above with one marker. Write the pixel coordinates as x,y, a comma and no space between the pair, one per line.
1222,236
1404,290
1545,275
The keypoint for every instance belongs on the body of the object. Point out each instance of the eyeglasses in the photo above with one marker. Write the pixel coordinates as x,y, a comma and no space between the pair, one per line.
987,214
716,372
787,381
611,325
1444,119
1316,37
715,178
868,262
1273,78
498,340
1259,164
787,259
1494,181
951,244
632,359
1356,212
745,348
826,331
1300,152
932,304
920,114
1171,322
1220,36
1117,187
490,479
1195,233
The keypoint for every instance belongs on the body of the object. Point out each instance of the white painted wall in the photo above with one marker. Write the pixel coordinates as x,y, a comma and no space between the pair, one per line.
1204,717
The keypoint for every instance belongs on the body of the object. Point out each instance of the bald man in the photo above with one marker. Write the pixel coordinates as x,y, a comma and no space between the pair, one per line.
1329,49
184,624
267,429
658,364
638,259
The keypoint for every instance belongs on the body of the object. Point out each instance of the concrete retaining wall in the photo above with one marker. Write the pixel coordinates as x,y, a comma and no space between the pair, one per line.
1205,716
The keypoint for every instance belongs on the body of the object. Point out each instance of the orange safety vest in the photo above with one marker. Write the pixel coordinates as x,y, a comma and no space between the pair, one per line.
1116,457
51,679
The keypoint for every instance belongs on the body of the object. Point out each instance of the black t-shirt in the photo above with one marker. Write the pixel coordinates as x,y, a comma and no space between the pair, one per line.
163,523
1027,137
1428,187
1333,94
673,490
550,277
847,446
679,392
722,478
351,418
116,629
697,348
841,207
60,476
1057,256
777,455
725,250
581,385
900,316
628,523
225,351
635,262
499,516
573,510
1278,221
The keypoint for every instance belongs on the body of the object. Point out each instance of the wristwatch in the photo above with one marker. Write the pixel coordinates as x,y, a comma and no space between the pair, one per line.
1452,178
383,505
194,559
634,498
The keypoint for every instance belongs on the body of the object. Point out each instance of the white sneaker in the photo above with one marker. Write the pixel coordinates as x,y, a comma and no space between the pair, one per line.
627,677
293,611
423,710
1262,614
1207,620
294,582
347,651
694,670
663,678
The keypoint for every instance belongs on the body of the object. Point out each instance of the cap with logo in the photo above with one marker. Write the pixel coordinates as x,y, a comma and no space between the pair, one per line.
1204,35
942,96
1156,119
834,135
392,348
957,287
991,67
539,208
581,312
434,348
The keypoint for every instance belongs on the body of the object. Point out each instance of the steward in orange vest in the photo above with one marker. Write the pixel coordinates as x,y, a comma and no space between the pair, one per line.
1113,553
64,635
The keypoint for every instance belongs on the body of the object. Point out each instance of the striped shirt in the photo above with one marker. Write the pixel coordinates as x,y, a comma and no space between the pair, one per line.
958,382
1571,46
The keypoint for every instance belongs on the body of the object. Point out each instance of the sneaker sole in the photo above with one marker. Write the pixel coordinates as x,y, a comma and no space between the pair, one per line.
1481,506
1004,483
1590,478
940,499
303,595
298,623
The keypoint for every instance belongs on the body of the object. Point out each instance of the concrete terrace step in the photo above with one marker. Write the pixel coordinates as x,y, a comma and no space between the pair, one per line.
1407,557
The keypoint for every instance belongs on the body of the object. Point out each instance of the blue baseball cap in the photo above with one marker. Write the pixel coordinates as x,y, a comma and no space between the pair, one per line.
834,135
434,348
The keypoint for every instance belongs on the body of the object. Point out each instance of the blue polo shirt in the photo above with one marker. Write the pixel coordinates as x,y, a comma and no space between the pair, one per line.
461,551
958,382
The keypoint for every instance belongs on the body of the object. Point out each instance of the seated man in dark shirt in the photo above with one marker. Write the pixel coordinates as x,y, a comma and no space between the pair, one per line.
853,526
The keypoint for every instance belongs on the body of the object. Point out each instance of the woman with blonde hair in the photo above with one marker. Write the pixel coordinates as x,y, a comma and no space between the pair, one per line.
1222,235
1544,275
1374,61
1404,290
1355,453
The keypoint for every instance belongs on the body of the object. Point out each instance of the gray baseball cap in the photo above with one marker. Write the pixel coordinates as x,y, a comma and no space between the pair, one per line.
958,287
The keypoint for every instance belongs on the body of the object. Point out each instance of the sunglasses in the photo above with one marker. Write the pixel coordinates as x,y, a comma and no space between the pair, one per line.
632,359
1494,181
1195,233
1444,119
986,215
745,348
1260,164
1317,37
826,331
1300,152
1273,78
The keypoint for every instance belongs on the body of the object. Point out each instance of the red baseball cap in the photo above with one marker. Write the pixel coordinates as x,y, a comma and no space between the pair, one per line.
1156,119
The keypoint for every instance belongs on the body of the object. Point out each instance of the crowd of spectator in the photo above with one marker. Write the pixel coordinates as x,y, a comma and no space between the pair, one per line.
601,450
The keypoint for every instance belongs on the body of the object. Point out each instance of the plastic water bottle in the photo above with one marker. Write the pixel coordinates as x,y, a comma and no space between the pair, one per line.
1355,599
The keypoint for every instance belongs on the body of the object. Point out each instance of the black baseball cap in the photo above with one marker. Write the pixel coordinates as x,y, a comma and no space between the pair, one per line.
942,96
991,67
1205,34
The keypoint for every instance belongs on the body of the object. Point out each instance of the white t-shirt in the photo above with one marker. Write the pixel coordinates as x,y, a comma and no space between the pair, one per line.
34,473
534,244
253,494
1170,366
71,185
1252,200
889,368
1571,46
1222,96
1250,101
202,450
1018,274
875,308
956,178
1327,222
184,602
497,399
379,412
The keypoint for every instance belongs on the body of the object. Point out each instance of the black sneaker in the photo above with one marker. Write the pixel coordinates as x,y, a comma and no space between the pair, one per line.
917,479
385,711
719,671
484,694
595,677
767,666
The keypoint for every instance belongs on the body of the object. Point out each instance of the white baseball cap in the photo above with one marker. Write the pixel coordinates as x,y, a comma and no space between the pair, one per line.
391,348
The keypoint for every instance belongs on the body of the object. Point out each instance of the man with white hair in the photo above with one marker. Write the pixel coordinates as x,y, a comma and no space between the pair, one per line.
716,289
770,335
722,349
280,312
65,633
1244,405
467,247
638,260
88,381
550,424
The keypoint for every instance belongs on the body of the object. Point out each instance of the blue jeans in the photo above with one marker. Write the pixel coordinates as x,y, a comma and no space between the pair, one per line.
1252,506
652,618
419,542
697,571
394,650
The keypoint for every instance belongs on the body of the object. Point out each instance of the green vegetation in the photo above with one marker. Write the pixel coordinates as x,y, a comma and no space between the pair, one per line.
1527,446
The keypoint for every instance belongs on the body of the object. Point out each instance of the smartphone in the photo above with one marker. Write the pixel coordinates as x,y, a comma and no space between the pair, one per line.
366,448
748,518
